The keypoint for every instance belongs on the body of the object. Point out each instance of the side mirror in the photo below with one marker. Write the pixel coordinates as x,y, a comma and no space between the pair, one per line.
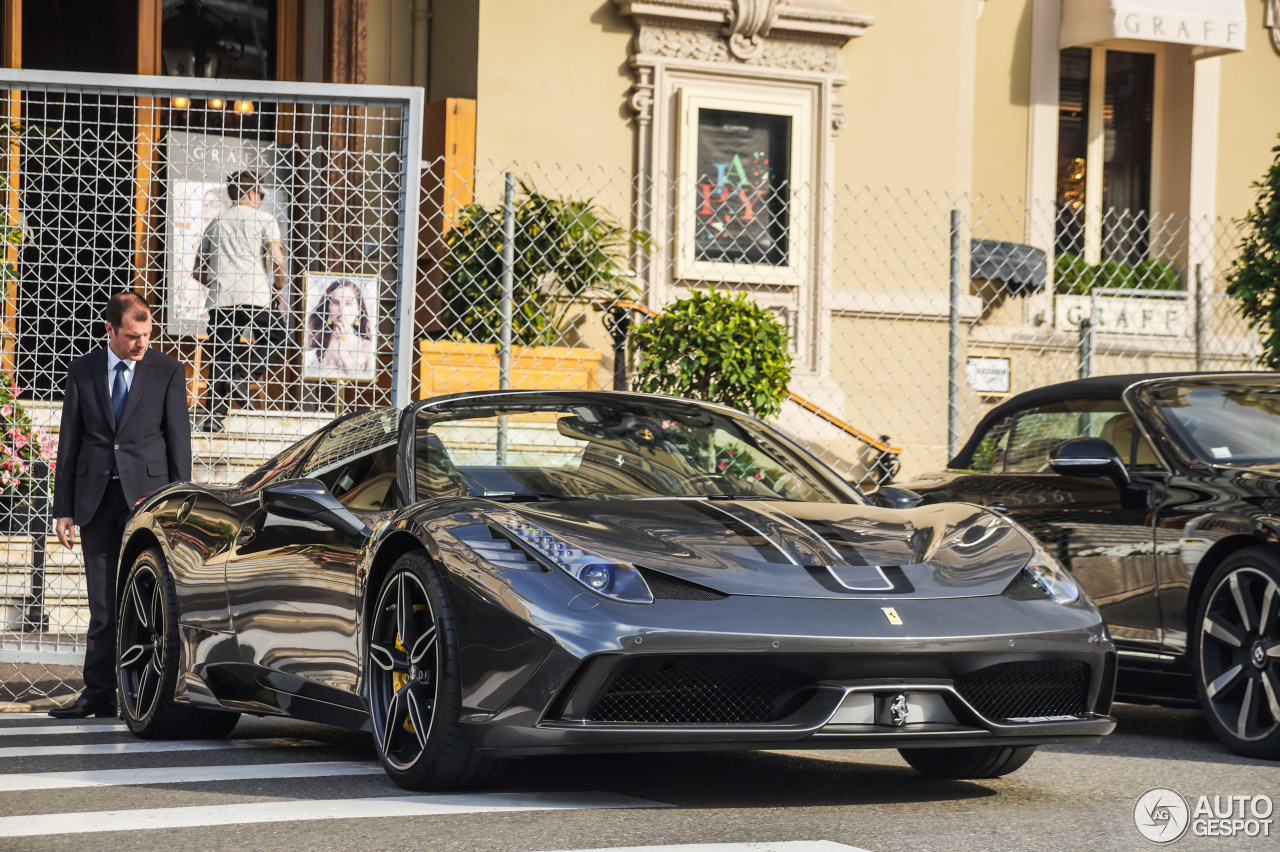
309,500
895,497
1089,457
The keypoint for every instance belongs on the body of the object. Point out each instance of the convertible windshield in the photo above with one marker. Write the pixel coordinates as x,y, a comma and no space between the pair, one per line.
1229,421
582,447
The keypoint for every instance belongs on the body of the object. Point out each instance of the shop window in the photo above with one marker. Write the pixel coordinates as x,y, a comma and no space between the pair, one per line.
1105,122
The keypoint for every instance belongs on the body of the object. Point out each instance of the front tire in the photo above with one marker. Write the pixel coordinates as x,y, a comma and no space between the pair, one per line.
413,685
1236,652
147,659
967,762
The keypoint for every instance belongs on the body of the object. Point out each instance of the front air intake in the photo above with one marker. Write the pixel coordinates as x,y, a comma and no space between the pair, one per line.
708,691
1021,690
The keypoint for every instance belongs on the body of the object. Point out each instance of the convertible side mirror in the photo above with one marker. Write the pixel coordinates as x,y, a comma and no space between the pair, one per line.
895,497
1089,457
309,500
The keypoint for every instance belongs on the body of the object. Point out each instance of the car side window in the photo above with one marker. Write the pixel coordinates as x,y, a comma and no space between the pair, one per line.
356,461
1034,432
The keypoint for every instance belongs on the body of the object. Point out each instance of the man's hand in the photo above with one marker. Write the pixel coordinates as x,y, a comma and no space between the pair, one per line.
66,528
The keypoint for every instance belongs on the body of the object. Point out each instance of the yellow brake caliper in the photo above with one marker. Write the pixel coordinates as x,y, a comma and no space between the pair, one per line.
399,679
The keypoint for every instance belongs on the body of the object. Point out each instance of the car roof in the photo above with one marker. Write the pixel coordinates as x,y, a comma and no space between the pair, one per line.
1094,387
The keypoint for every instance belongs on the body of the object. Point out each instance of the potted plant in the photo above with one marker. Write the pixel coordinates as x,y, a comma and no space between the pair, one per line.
564,251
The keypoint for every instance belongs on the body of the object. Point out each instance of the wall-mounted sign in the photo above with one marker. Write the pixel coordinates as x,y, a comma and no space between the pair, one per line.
990,375
1164,315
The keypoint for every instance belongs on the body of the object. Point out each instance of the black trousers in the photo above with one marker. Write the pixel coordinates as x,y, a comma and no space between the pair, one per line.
100,546
231,361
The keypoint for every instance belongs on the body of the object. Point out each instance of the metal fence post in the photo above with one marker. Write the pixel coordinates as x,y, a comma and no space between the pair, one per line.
1199,326
1086,347
508,280
403,338
953,342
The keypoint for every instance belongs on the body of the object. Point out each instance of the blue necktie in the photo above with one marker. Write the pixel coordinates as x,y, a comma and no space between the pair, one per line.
119,392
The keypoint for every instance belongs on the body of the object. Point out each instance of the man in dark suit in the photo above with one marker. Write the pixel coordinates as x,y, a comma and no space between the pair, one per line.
125,432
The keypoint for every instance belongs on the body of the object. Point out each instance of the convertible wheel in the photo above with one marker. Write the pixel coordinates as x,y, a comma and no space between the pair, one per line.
413,686
1236,650
147,659
967,762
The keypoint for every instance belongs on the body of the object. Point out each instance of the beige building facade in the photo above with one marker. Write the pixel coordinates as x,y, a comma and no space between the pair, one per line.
1114,134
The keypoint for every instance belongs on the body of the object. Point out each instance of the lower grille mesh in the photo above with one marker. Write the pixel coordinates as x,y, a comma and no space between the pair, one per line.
1019,690
698,692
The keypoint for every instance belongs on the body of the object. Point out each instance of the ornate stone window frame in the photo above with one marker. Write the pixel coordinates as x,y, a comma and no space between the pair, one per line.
797,107
762,56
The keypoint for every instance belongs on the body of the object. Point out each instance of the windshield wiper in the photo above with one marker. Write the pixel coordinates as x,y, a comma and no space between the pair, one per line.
523,496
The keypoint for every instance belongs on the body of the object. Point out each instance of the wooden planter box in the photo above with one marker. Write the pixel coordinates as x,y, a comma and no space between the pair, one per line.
449,367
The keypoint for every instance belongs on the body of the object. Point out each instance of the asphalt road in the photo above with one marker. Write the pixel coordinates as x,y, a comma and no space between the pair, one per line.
1066,797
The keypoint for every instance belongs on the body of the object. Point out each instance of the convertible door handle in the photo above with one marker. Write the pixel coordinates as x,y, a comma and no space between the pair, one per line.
247,534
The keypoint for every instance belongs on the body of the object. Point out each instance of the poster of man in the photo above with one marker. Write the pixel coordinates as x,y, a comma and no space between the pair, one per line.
340,334
198,168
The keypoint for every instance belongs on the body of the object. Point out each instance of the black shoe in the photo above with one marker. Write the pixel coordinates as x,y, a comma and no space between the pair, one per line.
84,707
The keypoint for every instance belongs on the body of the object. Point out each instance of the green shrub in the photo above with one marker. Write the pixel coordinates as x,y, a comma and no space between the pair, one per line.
1071,275
1254,278
716,348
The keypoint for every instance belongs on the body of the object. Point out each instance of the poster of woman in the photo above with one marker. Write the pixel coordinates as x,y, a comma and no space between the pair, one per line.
340,335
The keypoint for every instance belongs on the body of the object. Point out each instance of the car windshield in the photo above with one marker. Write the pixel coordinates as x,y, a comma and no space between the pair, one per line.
1226,421
588,448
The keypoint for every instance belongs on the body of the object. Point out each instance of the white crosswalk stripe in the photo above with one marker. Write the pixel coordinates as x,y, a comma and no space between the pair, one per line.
182,775
58,730
145,746
305,810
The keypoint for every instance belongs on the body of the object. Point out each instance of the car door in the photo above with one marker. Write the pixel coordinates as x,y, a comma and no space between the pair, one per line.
1102,533
292,584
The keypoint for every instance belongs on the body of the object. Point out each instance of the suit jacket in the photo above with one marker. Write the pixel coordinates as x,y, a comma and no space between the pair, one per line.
151,445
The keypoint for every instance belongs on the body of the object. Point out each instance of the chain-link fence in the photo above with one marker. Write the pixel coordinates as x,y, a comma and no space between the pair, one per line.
909,313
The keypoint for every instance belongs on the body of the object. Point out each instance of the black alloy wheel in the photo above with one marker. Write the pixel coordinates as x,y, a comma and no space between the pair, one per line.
1236,651
412,683
147,659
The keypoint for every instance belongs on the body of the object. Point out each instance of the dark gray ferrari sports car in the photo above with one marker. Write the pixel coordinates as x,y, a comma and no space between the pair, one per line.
519,573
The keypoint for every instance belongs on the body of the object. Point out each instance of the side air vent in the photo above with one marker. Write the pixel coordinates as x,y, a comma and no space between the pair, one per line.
668,588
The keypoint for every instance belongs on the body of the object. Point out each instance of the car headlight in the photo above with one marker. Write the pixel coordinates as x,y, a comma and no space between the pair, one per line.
1044,572
608,577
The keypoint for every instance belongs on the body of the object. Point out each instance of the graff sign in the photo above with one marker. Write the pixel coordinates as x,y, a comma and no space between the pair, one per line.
1166,317
742,191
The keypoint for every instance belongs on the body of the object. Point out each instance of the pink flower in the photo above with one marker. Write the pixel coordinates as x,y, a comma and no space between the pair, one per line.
19,439
6,411
723,465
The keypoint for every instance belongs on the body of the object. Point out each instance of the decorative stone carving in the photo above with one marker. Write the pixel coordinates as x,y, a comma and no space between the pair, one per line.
642,97
749,23
838,118
803,35
1272,22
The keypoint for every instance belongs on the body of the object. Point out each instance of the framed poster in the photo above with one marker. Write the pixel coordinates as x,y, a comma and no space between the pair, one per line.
743,193
197,168
340,335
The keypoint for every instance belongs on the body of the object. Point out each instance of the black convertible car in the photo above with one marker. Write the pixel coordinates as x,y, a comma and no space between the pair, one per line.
1161,495
520,573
